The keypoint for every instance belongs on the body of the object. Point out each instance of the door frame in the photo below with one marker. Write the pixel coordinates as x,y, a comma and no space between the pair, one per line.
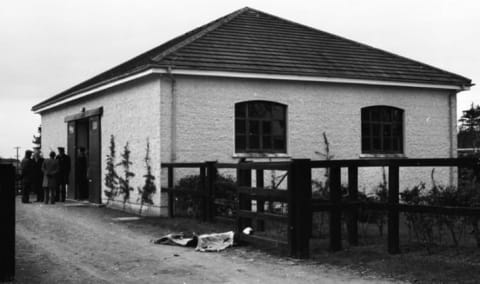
72,131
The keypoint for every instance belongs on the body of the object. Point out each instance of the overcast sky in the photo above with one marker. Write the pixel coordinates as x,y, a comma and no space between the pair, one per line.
47,46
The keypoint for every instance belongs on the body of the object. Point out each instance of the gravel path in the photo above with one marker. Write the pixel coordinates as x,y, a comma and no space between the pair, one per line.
66,243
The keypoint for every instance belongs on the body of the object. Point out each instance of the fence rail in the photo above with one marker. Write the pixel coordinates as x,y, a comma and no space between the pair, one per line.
300,203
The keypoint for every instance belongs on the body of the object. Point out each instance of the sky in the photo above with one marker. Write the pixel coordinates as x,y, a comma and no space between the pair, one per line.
50,45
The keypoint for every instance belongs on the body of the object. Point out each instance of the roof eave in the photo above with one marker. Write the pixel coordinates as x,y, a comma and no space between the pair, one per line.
148,70
129,76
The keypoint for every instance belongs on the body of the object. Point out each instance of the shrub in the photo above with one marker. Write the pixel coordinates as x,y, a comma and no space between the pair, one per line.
111,176
225,192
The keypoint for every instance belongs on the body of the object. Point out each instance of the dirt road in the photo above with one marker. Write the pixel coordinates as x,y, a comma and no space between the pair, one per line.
68,243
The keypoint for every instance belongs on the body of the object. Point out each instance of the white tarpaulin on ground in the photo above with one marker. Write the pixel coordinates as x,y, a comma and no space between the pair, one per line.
205,242
215,242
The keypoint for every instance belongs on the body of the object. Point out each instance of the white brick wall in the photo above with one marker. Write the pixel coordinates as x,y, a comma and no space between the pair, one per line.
131,112
205,120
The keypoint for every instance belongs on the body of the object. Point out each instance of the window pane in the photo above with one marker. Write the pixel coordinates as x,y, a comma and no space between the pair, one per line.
278,143
240,126
366,147
278,112
365,129
376,143
387,130
365,114
395,144
240,143
254,127
376,129
266,127
387,115
257,109
375,115
397,115
240,110
278,127
397,130
267,142
268,110
387,144
254,142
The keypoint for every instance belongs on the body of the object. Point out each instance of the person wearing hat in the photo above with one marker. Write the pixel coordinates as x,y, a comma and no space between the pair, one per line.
27,176
63,174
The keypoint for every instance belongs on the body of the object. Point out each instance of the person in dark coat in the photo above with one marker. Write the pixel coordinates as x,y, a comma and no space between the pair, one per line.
63,174
37,184
81,174
50,168
27,176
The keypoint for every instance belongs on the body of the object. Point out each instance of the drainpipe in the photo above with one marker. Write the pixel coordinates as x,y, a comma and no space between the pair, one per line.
173,117
452,112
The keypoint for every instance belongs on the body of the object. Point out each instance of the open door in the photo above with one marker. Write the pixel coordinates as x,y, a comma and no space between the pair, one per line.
83,131
94,163
71,152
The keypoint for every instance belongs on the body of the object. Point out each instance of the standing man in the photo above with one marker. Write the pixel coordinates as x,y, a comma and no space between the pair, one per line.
37,184
51,168
27,176
63,174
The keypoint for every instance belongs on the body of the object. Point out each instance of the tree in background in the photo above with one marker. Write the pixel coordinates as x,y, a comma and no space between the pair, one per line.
469,129
111,176
149,187
470,120
37,140
124,181
469,179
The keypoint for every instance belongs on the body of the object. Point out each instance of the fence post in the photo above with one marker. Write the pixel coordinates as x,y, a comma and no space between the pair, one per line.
244,178
299,208
260,202
203,189
171,200
210,192
7,219
335,211
393,216
352,222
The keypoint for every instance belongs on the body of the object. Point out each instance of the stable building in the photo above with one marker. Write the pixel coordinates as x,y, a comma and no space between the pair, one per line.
252,85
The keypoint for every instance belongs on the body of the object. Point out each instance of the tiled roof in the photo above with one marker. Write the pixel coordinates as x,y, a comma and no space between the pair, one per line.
251,41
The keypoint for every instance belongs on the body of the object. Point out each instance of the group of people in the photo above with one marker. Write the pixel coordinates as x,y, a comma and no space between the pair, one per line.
47,178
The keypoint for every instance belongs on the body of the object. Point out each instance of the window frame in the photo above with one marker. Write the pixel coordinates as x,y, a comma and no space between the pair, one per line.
388,119
262,122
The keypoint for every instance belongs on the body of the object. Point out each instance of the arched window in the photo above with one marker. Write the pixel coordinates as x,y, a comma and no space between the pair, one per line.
260,127
382,130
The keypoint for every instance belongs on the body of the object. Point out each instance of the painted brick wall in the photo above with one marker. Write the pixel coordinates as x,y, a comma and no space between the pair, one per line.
205,120
131,112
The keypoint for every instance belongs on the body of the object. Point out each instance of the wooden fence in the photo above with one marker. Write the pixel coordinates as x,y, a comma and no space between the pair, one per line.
301,206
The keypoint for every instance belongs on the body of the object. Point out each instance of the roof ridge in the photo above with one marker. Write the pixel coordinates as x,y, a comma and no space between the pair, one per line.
367,46
205,29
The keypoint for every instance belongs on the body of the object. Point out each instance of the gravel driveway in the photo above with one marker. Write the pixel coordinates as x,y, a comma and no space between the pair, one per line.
74,243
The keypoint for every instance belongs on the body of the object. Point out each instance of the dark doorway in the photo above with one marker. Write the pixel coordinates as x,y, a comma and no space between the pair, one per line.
82,151
84,148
